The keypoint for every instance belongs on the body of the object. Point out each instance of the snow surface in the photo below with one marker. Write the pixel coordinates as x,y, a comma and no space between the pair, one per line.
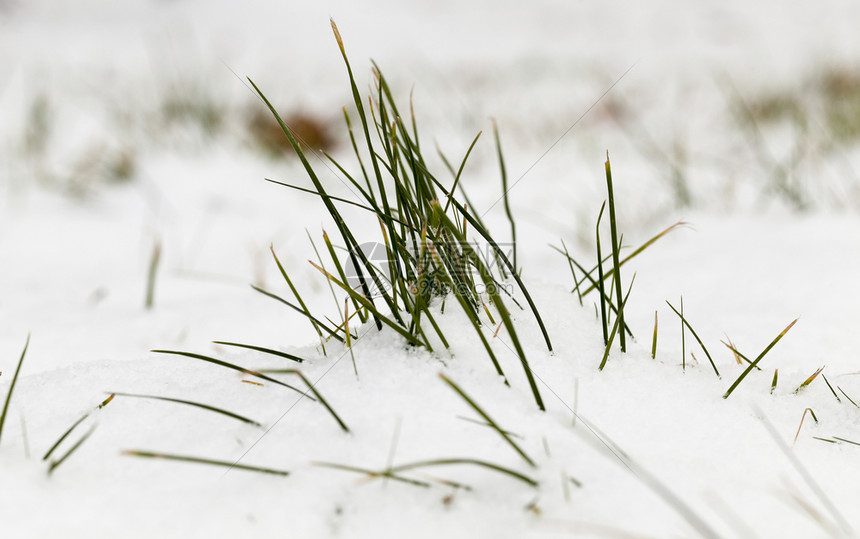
73,267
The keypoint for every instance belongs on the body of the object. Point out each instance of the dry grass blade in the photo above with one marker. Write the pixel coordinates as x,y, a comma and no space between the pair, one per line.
654,339
372,474
243,370
488,419
758,359
808,410
809,380
198,460
192,403
12,385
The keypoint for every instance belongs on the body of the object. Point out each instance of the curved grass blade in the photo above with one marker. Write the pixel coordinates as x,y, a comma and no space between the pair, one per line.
243,370
192,403
319,397
332,333
75,425
488,419
198,460
53,466
469,461
12,385
759,358
278,353
696,336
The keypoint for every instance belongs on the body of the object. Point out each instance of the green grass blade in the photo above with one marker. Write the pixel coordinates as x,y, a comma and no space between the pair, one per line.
695,336
54,465
318,396
616,247
847,397
373,474
495,297
367,304
75,425
278,353
654,339
615,327
192,403
830,387
775,379
243,370
488,419
758,359
320,324
604,321
198,460
505,190
12,385
475,462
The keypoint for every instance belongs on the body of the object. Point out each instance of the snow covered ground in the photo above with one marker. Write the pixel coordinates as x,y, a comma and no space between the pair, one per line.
98,168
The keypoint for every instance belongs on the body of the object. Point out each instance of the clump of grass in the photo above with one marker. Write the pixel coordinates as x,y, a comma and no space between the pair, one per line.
424,233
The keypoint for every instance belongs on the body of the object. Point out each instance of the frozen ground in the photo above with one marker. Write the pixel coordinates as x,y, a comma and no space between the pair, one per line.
76,239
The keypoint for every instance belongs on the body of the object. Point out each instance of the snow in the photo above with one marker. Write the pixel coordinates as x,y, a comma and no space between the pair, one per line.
76,245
